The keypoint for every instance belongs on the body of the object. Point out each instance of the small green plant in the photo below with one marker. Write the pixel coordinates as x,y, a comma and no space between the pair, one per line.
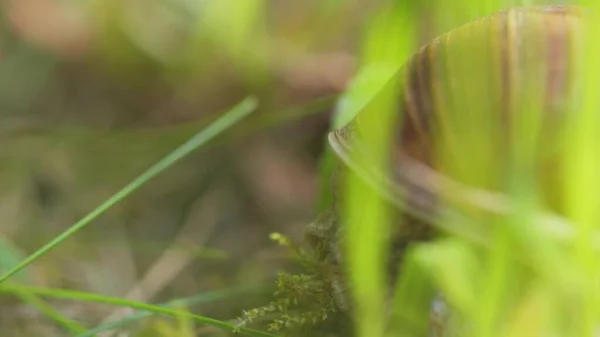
301,300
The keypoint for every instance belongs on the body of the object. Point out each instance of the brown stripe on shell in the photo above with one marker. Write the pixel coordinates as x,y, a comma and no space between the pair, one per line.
419,104
560,10
425,75
508,63
414,133
558,57
441,120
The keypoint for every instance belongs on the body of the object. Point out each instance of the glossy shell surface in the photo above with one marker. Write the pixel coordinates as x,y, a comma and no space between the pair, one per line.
507,50
491,59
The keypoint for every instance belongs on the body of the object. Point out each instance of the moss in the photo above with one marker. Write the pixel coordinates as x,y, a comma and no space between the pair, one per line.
302,301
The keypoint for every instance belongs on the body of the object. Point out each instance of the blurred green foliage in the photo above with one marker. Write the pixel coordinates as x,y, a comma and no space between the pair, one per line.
92,93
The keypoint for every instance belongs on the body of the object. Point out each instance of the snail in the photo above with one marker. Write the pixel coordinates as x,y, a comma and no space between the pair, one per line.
512,48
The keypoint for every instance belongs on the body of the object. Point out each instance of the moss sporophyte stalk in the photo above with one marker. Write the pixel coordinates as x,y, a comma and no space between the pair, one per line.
301,300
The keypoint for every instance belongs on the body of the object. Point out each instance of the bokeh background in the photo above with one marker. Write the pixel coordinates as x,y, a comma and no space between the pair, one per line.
93,92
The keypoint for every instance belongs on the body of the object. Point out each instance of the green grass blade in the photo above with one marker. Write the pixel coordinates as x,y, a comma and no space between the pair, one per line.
388,44
230,118
47,310
198,299
89,297
582,174
10,256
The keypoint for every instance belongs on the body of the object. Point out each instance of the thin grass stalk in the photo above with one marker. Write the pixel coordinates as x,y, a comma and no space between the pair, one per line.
582,172
229,119
388,44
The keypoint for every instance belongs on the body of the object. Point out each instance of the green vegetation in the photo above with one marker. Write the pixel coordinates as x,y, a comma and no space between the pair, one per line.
525,266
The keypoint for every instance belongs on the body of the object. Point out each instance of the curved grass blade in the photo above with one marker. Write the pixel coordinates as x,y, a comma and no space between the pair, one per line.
157,309
201,298
51,313
10,256
230,118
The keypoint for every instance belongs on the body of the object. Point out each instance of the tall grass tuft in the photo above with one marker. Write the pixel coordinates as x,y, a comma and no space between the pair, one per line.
388,43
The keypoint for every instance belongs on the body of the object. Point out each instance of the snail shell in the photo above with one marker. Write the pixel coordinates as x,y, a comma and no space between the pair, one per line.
508,50
486,65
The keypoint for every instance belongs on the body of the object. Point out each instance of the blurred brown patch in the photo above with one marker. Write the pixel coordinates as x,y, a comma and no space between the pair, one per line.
51,24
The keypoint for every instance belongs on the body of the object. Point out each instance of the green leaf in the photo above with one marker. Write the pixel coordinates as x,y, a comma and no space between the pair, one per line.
456,270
